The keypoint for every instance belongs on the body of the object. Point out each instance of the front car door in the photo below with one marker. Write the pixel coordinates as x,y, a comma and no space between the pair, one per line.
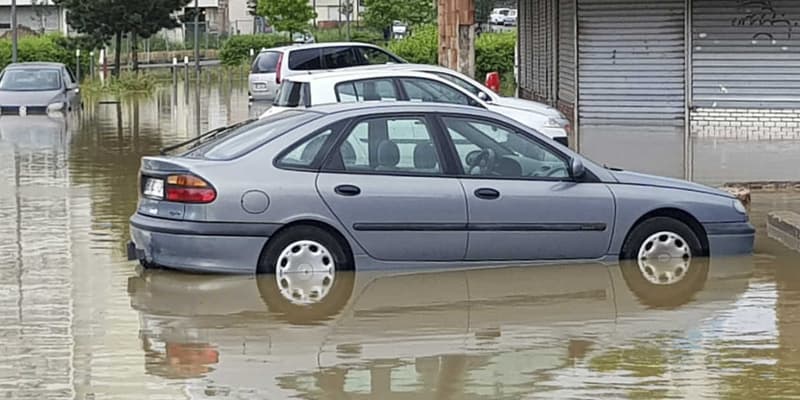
384,181
522,203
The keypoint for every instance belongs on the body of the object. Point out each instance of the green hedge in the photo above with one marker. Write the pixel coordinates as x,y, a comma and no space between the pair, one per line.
236,50
493,51
356,35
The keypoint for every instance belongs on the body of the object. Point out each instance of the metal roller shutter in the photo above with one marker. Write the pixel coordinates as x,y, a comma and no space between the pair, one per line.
746,55
631,73
536,41
566,51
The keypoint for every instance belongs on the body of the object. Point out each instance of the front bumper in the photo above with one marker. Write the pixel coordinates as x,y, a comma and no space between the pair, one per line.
198,246
730,238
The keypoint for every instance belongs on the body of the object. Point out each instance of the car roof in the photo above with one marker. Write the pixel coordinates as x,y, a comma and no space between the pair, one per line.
292,47
347,75
35,64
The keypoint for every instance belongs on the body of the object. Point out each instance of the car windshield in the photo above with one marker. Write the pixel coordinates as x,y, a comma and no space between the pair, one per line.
247,137
31,79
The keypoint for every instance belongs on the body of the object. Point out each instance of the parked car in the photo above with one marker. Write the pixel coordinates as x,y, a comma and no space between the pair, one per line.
404,185
511,18
38,88
498,16
397,85
557,125
272,65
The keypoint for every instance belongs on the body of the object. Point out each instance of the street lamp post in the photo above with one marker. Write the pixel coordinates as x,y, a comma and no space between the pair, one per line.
13,30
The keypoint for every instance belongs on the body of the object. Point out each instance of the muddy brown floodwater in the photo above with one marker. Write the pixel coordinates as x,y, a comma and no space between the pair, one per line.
79,321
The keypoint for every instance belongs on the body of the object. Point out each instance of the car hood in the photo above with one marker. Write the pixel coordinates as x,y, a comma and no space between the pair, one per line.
527,105
635,178
29,98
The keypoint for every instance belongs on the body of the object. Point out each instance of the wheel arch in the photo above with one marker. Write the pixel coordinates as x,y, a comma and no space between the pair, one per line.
676,214
317,224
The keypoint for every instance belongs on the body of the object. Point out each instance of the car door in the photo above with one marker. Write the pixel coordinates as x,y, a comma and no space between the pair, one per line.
71,88
384,181
522,203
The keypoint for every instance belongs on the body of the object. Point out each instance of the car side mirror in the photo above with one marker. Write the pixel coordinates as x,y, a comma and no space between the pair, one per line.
483,96
577,170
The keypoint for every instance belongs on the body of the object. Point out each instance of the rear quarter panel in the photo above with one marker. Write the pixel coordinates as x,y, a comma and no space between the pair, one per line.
634,201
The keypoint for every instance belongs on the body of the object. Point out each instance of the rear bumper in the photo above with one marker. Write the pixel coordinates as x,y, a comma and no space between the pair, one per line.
730,239
198,246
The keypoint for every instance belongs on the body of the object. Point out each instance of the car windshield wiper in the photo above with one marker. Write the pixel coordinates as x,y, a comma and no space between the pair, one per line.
214,133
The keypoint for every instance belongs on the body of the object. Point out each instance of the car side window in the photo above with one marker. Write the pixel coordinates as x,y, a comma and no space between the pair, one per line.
460,82
339,57
394,144
373,56
304,153
430,91
305,60
488,149
366,90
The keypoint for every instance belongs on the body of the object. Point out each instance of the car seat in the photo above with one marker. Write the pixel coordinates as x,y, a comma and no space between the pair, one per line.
425,158
388,156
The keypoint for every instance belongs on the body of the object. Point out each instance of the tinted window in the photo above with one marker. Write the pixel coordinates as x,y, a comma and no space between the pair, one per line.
304,154
373,56
246,138
492,150
266,62
460,82
305,60
366,90
339,57
292,94
431,91
402,144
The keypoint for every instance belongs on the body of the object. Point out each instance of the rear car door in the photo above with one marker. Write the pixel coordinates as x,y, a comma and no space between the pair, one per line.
523,205
384,181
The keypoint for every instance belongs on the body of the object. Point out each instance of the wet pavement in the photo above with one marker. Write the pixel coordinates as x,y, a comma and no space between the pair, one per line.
79,321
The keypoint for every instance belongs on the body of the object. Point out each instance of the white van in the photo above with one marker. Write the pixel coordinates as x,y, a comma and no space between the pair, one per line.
271,65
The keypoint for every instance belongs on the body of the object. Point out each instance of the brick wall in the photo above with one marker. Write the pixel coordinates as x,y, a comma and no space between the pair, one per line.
753,124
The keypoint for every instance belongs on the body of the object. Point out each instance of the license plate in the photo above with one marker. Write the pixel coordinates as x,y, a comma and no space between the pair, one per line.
154,188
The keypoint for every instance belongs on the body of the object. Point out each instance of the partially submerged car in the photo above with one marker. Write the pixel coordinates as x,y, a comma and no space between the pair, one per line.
398,85
38,88
402,185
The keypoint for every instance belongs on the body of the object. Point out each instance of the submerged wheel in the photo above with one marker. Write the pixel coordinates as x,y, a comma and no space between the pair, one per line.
663,262
306,276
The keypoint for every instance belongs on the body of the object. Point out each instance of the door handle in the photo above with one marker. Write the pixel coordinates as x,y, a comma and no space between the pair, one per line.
487,193
347,190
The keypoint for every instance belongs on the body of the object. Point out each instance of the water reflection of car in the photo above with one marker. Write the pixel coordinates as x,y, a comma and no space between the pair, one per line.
38,88
249,335
34,132
392,184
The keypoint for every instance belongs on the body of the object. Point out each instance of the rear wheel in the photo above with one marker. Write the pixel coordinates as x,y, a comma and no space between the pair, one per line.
663,263
306,277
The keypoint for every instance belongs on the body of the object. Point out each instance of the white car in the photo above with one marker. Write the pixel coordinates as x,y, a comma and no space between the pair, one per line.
271,65
498,16
397,85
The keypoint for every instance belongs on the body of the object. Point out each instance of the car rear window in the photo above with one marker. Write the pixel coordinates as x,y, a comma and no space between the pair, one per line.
246,138
293,94
266,62
305,60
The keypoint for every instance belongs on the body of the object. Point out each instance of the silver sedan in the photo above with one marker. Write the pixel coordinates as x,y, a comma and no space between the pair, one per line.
389,185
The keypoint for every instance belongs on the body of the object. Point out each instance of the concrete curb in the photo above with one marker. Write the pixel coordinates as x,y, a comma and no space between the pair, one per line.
784,226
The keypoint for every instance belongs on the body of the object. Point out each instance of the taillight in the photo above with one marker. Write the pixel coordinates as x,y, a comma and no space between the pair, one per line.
189,189
278,69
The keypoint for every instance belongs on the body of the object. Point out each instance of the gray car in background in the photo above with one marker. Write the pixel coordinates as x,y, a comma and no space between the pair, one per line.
309,193
38,88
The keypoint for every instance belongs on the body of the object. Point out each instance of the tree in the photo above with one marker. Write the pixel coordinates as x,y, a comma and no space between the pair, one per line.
287,15
145,18
380,14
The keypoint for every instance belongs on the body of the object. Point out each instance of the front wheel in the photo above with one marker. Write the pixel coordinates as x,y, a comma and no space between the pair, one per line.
663,262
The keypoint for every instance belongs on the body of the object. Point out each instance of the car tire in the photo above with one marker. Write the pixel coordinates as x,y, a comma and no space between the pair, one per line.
658,281
323,291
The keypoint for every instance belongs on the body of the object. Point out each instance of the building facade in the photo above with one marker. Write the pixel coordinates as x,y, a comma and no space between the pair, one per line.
666,76
35,16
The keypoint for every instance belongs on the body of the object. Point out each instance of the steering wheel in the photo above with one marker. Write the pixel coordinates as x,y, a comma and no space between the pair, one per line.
483,160
557,169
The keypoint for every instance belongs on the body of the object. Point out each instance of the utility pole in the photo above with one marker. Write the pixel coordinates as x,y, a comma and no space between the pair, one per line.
14,31
197,64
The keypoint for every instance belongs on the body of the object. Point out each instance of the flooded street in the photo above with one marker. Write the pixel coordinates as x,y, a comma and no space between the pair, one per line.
79,321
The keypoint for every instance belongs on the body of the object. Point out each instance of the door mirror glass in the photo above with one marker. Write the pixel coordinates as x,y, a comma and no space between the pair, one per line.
578,170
